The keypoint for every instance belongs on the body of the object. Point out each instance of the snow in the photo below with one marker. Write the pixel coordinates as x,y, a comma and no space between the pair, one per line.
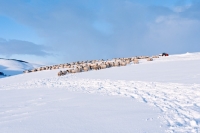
13,67
159,96
175,68
58,110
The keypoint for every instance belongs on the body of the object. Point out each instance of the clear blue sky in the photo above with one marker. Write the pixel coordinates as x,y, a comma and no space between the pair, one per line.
65,30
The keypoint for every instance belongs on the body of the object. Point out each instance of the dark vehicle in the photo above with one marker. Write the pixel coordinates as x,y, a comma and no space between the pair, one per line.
165,54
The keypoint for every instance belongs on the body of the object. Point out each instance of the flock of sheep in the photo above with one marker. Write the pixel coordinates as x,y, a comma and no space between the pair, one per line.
84,66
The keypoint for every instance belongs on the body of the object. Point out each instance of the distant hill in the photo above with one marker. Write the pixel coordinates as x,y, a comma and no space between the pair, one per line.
9,67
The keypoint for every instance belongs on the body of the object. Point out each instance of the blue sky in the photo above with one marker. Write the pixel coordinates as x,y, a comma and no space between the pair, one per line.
65,30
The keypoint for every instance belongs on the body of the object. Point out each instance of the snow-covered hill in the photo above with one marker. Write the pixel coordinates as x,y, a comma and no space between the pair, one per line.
154,97
11,67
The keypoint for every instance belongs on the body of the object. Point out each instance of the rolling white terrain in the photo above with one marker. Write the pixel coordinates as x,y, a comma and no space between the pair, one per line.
150,97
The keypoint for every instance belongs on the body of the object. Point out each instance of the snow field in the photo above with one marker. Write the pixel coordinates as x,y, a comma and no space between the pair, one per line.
170,84
180,103
55,109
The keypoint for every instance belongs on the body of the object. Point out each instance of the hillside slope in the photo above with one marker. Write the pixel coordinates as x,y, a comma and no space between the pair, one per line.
159,96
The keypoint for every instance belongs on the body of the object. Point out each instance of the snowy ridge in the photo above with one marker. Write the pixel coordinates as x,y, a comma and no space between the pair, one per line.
180,103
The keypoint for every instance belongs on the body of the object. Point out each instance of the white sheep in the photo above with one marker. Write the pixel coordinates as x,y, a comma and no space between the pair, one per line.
136,61
149,59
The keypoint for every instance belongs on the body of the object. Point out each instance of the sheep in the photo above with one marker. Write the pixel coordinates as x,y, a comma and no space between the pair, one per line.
116,63
149,59
73,71
86,68
26,71
39,69
103,66
78,69
123,63
85,64
65,72
155,56
69,66
142,57
69,71
81,66
34,70
136,61
128,61
95,66
60,73
43,68
47,68
108,64
65,66
133,58
62,66
112,64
